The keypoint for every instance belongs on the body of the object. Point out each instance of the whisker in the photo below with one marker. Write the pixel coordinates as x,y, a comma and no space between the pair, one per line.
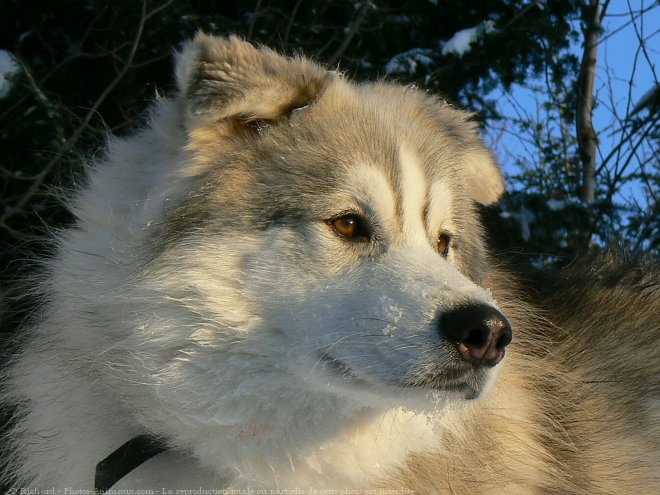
332,346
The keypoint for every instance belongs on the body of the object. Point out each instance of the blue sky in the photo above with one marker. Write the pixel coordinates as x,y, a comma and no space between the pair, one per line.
622,79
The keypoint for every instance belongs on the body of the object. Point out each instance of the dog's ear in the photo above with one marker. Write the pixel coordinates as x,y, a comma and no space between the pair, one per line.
483,175
229,81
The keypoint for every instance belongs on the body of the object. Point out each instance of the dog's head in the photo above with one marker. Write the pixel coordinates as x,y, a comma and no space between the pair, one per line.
349,212
328,247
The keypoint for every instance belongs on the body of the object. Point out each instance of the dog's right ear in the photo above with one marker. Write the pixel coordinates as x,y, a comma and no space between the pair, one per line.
229,85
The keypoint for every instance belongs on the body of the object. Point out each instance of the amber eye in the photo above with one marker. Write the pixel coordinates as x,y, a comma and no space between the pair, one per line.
352,227
444,240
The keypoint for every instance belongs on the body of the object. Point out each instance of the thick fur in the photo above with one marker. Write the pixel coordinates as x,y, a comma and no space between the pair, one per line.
206,296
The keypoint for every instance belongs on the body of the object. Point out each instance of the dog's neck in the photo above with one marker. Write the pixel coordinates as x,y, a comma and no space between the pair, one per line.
362,449
365,450
371,449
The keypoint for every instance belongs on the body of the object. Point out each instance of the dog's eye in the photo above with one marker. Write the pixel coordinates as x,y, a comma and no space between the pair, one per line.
444,240
352,227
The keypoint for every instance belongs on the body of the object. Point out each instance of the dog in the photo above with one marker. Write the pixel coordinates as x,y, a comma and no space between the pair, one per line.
281,285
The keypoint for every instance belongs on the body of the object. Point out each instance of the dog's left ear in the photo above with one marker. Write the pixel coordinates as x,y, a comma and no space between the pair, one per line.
229,81
482,173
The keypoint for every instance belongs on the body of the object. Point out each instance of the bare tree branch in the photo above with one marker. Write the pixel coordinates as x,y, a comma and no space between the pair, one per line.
586,135
253,20
292,17
367,5
69,143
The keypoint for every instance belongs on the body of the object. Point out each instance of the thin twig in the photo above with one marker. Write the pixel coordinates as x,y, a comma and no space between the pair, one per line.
352,30
290,24
73,139
253,21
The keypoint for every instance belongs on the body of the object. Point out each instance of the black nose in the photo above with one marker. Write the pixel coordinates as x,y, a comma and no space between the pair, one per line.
480,331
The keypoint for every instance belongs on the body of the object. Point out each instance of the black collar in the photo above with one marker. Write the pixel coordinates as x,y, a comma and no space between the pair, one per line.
122,461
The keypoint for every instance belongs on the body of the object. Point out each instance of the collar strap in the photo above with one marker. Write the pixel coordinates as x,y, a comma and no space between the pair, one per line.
122,461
